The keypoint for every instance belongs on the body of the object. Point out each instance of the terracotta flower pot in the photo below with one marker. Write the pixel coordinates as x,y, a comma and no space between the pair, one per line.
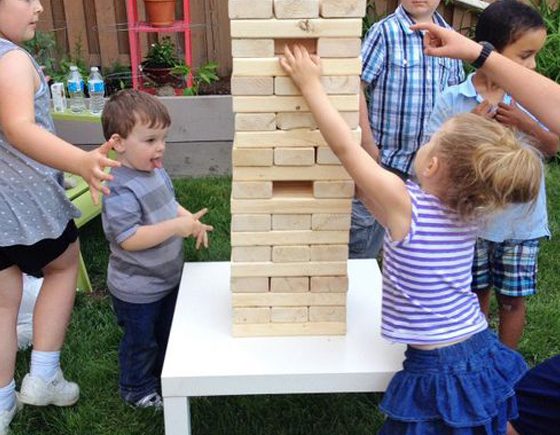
160,13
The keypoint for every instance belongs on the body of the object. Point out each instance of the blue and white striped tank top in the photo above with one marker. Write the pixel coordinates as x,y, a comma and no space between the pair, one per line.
427,296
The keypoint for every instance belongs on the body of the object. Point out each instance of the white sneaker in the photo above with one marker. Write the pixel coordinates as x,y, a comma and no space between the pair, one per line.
6,417
152,400
58,392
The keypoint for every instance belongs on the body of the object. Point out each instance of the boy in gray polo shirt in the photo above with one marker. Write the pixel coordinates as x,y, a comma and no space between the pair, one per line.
145,227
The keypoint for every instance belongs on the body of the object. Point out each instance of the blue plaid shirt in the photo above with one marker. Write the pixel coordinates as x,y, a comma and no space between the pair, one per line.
403,85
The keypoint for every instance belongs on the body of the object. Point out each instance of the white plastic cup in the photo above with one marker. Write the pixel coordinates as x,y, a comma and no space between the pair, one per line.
58,97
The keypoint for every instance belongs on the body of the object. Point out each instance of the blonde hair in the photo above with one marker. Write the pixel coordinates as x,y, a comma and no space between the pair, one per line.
487,166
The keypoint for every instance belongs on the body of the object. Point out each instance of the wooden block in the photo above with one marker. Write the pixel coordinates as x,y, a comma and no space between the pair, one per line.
290,254
322,268
317,172
329,221
292,120
329,284
291,206
249,9
344,9
333,189
251,284
288,315
252,47
341,85
297,28
288,299
252,157
271,67
286,9
327,314
310,44
255,121
327,252
277,238
289,284
252,86
251,315
325,156
353,121
339,47
293,138
285,86
289,329
294,156
254,104
251,189
250,254
290,222
251,222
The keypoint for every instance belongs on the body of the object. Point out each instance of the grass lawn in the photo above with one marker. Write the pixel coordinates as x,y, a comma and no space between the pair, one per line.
90,354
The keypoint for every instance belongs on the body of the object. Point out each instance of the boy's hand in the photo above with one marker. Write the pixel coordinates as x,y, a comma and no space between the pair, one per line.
512,116
191,226
303,68
485,109
92,169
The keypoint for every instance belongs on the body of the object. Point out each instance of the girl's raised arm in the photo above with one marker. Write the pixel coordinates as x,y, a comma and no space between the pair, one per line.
18,82
385,193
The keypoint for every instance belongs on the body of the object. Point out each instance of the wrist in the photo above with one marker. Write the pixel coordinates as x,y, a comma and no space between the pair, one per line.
484,53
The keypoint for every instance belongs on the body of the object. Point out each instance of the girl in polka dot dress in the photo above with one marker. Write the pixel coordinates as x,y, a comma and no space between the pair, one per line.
37,231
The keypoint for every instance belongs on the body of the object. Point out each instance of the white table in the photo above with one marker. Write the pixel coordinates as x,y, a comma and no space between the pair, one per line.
203,359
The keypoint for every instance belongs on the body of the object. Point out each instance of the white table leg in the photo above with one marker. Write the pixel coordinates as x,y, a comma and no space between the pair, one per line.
177,416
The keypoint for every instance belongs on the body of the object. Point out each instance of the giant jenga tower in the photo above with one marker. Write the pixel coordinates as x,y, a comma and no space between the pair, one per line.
291,198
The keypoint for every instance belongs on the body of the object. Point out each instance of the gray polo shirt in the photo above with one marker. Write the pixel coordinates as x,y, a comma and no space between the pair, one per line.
141,198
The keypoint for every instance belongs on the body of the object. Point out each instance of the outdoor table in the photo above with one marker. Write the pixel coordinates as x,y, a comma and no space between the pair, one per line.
204,359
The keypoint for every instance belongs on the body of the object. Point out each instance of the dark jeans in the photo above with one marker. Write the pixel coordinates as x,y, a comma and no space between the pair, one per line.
142,350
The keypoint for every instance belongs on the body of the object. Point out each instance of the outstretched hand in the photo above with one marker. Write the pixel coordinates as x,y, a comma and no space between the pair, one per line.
200,230
92,170
303,68
442,42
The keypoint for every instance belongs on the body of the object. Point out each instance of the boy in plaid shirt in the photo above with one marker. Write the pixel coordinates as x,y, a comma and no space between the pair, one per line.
402,84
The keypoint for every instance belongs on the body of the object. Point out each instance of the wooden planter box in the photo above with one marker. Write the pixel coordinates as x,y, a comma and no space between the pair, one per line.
199,141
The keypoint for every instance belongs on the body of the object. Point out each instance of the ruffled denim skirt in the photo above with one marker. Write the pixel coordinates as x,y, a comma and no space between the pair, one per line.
462,389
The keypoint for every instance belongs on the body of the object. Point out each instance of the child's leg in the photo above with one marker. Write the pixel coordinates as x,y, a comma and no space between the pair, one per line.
10,298
515,277
138,349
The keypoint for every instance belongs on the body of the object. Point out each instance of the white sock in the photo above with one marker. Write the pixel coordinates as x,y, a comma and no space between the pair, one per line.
44,364
8,396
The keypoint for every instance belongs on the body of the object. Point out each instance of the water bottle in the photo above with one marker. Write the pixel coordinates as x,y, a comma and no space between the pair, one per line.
76,90
96,89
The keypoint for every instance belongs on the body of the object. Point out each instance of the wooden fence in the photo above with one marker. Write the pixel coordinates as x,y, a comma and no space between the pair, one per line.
98,28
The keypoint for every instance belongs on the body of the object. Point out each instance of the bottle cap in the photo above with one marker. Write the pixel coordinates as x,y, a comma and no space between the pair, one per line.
94,69
73,68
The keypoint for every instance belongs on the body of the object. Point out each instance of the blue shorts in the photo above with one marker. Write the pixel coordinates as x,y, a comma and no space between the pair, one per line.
510,267
538,398
462,389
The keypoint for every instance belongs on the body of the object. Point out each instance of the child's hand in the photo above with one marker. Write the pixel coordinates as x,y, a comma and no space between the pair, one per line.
191,226
303,68
92,169
512,116
485,109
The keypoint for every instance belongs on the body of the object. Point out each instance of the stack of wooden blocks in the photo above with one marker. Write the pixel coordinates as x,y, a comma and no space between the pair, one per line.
291,198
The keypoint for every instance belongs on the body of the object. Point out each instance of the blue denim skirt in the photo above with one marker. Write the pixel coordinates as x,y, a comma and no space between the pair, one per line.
463,389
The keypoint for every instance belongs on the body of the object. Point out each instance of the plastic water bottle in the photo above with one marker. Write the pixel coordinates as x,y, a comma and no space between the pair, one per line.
96,88
75,86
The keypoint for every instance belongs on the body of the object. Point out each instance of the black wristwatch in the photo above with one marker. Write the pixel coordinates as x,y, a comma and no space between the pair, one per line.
487,48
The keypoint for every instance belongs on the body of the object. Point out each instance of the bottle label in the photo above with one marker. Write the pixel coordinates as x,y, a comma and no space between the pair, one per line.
76,86
96,86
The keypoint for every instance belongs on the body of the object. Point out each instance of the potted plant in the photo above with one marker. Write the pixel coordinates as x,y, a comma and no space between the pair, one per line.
160,13
160,61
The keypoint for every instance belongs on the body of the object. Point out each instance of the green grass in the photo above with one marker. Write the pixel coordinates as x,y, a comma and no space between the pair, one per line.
90,353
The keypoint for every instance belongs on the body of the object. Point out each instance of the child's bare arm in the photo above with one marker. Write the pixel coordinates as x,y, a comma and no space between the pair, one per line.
513,116
386,194
538,94
148,236
18,80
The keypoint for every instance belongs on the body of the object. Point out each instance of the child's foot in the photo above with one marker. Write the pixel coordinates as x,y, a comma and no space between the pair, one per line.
6,417
58,392
152,400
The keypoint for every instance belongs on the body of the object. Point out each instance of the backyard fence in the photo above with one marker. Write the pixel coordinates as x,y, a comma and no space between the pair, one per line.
96,30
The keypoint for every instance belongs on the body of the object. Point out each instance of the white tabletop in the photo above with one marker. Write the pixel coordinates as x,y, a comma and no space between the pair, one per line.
203,359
